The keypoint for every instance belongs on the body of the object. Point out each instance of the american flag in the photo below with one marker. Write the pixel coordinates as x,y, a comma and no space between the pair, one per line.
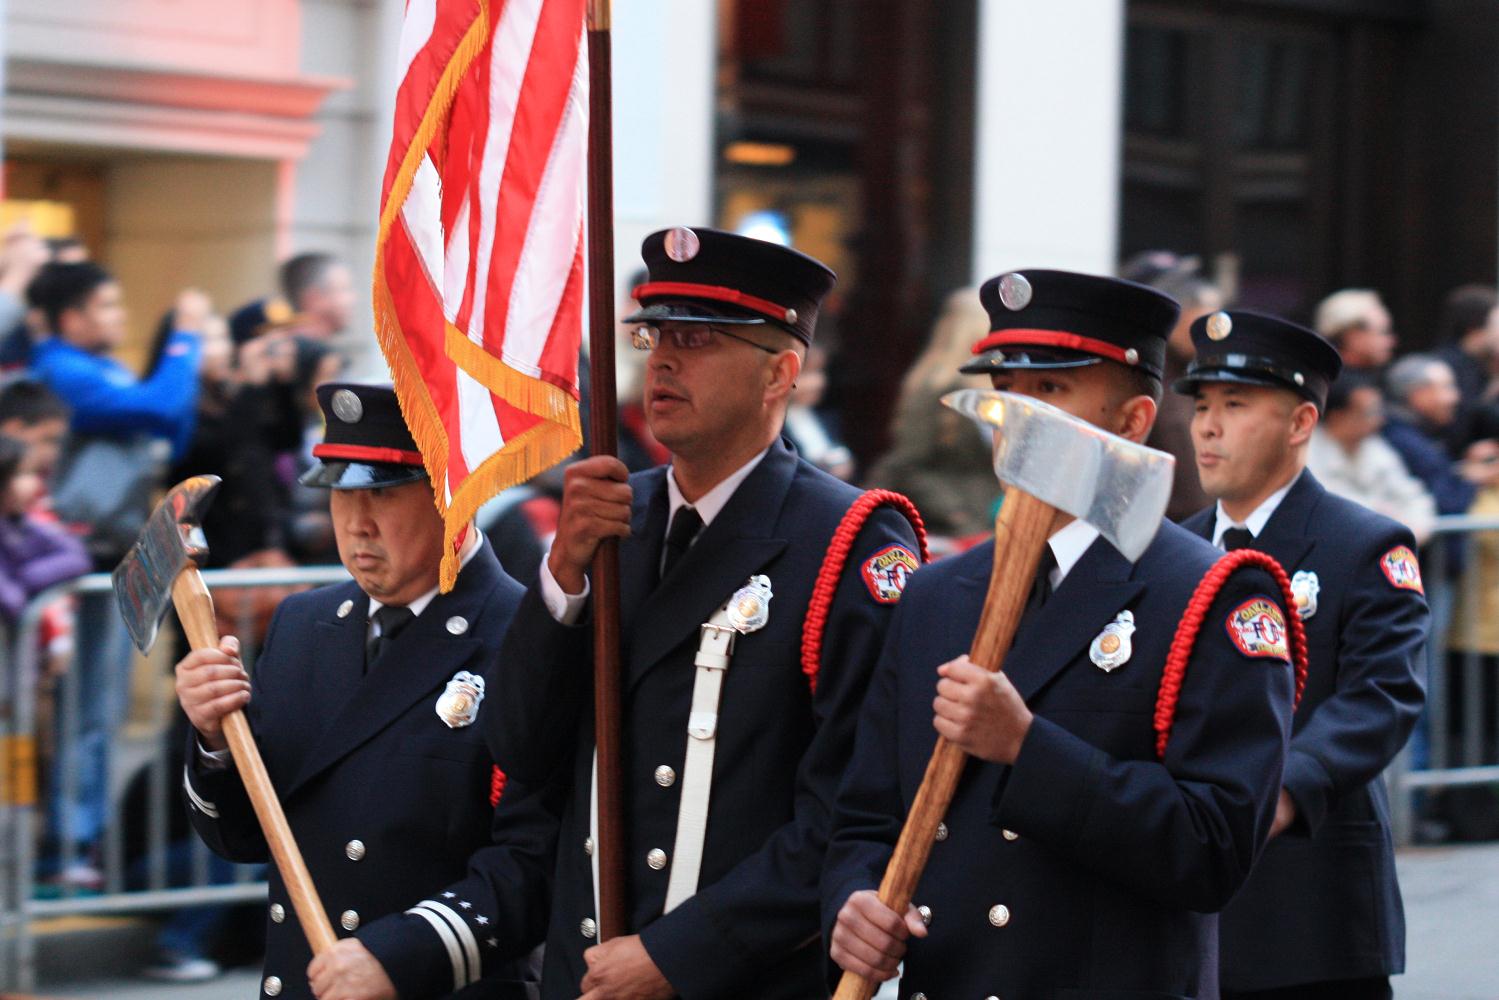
478,284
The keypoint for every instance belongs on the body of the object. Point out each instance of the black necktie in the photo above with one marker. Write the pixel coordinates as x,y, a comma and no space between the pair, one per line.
1237,538
685,524
1041,585
392,618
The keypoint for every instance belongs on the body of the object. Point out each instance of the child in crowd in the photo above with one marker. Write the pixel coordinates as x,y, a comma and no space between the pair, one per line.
33,555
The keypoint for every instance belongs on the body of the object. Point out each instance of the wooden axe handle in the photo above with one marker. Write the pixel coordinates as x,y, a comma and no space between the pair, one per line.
1020,533
195,610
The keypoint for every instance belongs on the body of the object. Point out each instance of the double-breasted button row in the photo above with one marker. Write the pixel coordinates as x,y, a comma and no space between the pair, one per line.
349,920
656,858
272,986
354,850
588,928
999,914
665,776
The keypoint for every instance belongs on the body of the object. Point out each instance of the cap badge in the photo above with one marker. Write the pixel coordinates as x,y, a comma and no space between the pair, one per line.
458,705
749,609
347,407
1219,326
1014,291
1304,589
1111,648
682,244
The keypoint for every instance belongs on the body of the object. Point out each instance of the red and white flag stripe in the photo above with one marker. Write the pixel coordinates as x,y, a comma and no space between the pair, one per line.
479,260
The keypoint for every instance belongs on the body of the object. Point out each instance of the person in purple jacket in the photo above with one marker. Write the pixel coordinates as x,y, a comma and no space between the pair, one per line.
33,555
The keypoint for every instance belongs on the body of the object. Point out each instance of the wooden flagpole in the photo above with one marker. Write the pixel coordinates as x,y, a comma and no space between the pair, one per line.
603,433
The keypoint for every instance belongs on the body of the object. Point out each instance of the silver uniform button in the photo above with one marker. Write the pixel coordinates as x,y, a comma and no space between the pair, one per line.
354,850
1009,834
272,986
349,920
656,858
991,996
278,913
925,912
457,625
665,776
941,832
918,996
345,608
588,846
588,928
999,914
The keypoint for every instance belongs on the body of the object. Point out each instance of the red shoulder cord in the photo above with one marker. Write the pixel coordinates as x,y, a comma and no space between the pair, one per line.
842,542
496,785
1191,624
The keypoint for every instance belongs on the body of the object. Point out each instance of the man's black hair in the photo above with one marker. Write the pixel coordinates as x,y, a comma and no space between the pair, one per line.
60,287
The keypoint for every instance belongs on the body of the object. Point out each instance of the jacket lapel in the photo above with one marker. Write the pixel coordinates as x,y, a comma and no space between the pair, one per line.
1285,535
1096,589
736,545
414,667
640,554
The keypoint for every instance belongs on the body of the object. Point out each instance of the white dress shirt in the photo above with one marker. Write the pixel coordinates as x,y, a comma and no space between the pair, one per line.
568,608
1256,521
1067,547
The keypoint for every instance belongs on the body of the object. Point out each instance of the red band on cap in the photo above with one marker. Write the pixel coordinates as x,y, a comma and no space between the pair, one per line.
1052,338
365,453
717,293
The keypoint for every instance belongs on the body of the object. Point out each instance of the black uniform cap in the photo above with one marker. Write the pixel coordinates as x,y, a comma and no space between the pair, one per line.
1058,319
366,444
1250,348
709,276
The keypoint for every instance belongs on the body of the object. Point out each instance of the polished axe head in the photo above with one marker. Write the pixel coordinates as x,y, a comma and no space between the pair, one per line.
1119,487
171,540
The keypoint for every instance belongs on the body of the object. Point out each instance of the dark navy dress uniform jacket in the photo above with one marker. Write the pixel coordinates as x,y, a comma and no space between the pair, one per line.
752,928
1087,869
1323,902
386,802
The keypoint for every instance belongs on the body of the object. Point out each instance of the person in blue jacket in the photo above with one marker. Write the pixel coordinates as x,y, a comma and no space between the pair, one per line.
85,313
84,310
1320,915
1073,863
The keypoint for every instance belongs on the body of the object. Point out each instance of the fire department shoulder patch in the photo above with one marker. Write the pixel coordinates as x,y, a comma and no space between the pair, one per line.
1258,628
885,573
1401,569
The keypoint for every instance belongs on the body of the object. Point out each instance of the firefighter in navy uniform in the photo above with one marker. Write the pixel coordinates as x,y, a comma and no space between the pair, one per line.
1073,862
369,704
1320,915
732,750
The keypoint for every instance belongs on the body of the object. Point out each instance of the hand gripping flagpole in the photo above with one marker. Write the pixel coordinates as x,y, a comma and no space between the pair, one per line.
603,434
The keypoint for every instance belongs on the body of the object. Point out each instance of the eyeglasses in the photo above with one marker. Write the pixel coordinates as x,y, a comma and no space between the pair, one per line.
686,338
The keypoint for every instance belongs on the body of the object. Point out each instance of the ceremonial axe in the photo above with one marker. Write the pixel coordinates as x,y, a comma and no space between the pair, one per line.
161,569
1049,462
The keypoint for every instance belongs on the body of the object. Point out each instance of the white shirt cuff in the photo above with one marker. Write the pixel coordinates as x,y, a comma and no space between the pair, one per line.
211,760
565,608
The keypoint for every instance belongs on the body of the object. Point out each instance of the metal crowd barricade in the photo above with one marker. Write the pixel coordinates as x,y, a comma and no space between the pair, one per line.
147,885
1455,743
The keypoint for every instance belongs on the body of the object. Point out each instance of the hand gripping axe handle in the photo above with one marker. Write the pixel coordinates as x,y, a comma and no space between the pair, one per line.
1049,463
160,570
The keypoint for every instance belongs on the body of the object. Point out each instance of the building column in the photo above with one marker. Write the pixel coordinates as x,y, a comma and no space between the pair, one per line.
665,57
1046,184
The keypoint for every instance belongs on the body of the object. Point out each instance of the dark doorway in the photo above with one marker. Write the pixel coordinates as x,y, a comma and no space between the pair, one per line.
1300,146
847,126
